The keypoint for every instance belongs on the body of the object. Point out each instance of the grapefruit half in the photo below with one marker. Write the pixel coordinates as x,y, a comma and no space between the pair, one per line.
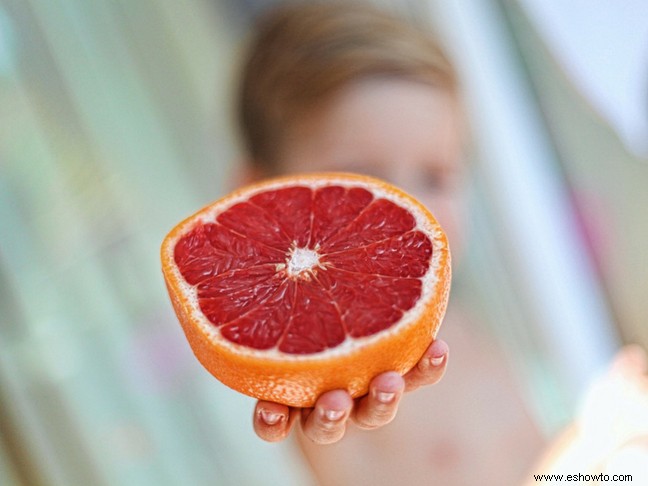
299,285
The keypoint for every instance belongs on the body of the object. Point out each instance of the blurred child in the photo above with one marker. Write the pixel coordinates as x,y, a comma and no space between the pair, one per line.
346,87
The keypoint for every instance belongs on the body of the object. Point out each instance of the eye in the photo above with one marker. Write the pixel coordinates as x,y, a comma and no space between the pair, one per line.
434,179
440,179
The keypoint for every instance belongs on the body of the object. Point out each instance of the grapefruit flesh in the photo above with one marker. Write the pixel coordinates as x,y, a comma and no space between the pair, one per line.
282,285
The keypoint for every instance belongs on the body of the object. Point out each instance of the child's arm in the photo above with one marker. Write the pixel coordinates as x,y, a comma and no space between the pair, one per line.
326,422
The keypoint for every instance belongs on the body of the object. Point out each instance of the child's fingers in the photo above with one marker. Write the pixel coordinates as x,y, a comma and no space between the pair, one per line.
273,421
326,423
380,405
430,368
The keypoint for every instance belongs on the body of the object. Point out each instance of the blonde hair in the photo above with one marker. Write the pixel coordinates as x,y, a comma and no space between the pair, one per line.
303,53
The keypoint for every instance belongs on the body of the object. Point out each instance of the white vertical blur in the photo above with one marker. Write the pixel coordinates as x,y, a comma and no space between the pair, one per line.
604,51
528,195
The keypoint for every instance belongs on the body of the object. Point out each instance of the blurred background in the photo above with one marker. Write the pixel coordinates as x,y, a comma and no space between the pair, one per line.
115,123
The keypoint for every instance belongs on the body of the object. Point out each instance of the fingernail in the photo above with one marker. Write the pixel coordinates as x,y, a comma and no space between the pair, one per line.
271,418
333,415
385,397
437,361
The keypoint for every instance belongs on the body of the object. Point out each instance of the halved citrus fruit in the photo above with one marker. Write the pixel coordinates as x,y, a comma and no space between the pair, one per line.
299,285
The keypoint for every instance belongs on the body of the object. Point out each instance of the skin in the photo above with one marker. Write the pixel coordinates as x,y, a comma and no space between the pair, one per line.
326,422
406,133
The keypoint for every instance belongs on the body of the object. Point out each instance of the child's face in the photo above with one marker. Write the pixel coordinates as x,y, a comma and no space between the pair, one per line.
401,131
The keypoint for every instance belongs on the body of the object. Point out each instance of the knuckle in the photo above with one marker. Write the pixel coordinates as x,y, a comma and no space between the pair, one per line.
323,431
428,376
326,427
326,435
366,426
375,418
271,436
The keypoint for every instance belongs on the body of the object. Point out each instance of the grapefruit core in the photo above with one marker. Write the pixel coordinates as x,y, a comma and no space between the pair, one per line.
299,285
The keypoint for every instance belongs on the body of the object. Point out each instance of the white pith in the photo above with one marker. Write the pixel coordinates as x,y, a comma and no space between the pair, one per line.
303,259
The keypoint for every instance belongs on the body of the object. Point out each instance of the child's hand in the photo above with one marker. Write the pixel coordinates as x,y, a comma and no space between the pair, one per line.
326,422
